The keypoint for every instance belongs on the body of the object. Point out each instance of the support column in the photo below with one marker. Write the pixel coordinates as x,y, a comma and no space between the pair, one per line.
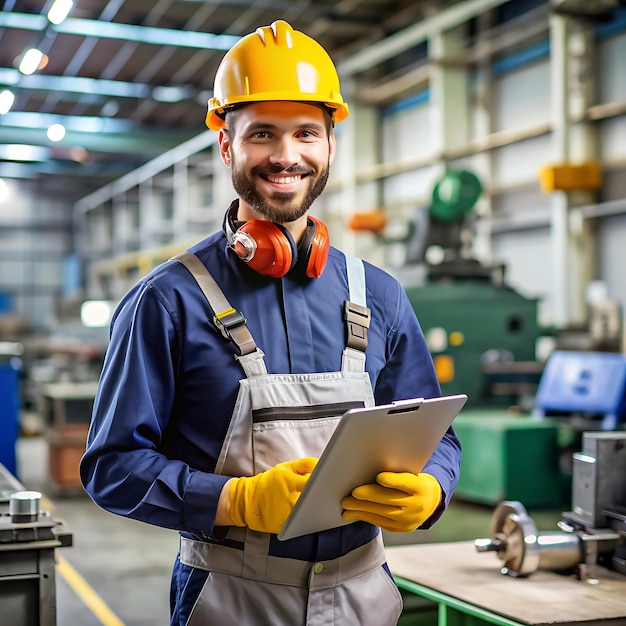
449,96
483,126
572,240
357,149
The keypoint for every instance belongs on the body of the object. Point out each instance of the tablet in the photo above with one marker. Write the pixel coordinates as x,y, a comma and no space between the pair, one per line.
397,437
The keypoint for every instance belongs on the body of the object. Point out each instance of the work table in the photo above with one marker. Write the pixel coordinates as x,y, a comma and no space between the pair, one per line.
454,575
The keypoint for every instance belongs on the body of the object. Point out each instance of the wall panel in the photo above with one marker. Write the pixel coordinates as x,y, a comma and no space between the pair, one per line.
519,163
610,77
527,256
612,138
612,255
521,98
407,133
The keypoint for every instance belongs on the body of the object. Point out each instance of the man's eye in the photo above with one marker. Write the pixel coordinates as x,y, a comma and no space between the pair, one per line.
261,134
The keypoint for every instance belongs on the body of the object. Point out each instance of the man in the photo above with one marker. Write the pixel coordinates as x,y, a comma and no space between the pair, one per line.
187,437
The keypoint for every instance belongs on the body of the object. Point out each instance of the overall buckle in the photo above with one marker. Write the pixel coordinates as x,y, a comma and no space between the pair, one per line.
228,320
357,319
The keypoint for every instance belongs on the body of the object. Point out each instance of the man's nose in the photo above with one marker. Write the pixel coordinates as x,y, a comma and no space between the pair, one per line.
286,153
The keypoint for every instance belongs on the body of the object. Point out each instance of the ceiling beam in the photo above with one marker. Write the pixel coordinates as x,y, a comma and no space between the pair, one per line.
75,84
147,141
148,170
404,40
126,32
89,171
330,13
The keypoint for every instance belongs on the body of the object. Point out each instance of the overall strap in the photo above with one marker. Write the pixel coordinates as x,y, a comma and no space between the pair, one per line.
357,318
230,322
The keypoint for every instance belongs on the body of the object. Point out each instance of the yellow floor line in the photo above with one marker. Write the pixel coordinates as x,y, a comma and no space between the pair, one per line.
82,589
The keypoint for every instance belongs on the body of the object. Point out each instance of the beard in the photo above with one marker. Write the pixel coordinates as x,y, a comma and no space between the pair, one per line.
279,207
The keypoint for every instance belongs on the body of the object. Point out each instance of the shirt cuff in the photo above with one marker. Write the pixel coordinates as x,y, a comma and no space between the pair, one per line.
200,503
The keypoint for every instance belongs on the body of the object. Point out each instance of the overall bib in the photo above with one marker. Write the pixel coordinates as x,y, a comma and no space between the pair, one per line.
277,418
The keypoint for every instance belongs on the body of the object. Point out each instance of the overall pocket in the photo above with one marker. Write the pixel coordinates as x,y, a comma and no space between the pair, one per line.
229,600
291,432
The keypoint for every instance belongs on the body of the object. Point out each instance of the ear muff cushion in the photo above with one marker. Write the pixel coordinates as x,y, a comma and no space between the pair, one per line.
317,246
275,248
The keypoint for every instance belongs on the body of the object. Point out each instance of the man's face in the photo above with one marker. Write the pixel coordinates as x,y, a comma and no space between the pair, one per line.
280,154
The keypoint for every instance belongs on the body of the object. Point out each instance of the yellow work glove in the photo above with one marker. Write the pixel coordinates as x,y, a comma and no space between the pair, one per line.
263,502
398,501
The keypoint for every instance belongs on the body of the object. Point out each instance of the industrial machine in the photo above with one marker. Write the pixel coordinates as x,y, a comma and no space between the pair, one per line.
592,535
482,334
28,540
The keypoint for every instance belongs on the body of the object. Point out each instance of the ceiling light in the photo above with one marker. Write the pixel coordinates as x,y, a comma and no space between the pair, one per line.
59,10
6,101
56,132
171,93
30,61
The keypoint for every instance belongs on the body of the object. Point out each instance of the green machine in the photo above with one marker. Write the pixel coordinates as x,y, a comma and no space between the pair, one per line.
478,329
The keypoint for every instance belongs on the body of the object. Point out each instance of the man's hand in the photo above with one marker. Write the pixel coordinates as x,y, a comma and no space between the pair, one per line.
398,501
263,502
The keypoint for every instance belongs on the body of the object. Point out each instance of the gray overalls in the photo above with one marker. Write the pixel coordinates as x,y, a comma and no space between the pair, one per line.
277,418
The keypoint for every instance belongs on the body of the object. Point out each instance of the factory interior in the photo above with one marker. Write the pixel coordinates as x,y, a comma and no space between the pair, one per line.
483,165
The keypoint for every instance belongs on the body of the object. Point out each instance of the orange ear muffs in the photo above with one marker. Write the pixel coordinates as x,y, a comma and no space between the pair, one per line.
266,247
269,248
313,249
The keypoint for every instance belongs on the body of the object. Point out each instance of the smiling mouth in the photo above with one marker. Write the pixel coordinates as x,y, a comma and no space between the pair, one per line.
283,180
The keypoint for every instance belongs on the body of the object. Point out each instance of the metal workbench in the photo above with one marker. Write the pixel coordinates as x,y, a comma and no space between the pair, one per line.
27,546
454,581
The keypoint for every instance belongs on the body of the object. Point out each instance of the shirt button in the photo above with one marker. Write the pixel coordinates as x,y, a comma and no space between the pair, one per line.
318,568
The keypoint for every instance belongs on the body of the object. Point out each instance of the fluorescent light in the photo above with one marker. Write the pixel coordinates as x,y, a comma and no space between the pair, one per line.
30,61
6,101
59,10
172,93
56,132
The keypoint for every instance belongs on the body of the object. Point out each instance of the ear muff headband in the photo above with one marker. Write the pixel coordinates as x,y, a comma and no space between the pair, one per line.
313,249
270,250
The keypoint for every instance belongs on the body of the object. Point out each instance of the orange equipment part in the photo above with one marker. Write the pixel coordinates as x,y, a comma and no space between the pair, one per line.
371,221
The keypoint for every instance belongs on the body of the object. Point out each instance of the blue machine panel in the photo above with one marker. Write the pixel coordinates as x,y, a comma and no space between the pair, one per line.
584,382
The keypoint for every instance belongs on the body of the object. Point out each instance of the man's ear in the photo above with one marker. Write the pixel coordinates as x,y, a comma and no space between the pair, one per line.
332,146
224,142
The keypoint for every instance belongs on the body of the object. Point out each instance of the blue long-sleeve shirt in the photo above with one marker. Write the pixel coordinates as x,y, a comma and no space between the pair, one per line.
169,384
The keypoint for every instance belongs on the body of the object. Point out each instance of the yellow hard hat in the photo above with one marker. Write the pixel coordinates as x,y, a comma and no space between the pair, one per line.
275,63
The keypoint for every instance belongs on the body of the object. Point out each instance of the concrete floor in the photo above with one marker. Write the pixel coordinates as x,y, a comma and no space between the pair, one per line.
117,571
